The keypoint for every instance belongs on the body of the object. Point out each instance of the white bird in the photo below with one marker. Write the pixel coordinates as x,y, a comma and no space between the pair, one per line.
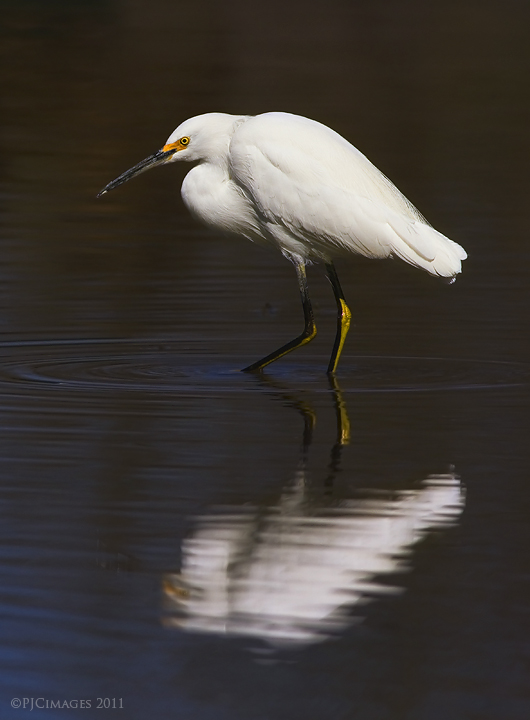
292,183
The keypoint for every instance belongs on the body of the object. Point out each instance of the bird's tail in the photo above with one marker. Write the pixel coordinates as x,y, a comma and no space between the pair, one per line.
421,245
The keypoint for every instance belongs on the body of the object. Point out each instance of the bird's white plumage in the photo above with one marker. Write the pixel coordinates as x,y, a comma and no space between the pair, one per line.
292,182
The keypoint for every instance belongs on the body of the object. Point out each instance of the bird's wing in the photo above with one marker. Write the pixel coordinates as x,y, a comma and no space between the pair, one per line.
329,199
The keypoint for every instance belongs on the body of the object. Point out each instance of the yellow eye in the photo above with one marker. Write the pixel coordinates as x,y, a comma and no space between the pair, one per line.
184,141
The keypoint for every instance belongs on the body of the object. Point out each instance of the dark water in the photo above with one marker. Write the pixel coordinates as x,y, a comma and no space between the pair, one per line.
194,542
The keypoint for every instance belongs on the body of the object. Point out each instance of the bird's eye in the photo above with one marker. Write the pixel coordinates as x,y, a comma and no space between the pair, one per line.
184,141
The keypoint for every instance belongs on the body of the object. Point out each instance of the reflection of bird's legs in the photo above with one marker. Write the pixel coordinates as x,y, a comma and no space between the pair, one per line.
343,421
343,431
303,408
310,329
343,318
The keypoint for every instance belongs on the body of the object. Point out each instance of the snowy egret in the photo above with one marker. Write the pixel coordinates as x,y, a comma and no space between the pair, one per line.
292,183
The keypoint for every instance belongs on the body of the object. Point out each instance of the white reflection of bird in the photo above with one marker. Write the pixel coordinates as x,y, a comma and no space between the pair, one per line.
289,575
290,182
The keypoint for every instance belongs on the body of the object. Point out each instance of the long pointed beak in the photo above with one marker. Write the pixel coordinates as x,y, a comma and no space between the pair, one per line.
159,158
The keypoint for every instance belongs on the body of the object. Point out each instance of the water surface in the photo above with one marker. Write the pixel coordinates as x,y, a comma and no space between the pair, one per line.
198,542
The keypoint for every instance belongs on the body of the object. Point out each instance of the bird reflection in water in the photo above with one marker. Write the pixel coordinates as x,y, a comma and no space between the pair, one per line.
290,574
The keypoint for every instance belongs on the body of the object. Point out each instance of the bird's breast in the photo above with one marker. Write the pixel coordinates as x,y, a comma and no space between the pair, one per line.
215,200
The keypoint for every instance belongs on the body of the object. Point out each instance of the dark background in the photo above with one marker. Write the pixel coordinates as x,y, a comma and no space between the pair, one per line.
122,324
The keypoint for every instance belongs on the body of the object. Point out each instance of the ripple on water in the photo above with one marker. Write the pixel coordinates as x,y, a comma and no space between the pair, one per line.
101,365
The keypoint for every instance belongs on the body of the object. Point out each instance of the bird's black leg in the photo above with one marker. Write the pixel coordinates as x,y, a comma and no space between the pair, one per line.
310,329
343,318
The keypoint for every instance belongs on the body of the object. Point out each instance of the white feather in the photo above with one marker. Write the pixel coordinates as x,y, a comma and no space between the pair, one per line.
311,186
293,183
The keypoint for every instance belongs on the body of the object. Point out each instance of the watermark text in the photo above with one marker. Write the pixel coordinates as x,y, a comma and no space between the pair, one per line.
40,703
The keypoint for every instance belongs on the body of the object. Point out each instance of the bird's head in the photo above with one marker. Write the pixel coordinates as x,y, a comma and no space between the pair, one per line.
201,138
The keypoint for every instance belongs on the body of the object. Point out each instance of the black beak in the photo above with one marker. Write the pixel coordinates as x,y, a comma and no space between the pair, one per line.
159,158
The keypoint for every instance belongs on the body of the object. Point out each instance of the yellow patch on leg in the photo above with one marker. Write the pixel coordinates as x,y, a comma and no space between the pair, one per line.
345,321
